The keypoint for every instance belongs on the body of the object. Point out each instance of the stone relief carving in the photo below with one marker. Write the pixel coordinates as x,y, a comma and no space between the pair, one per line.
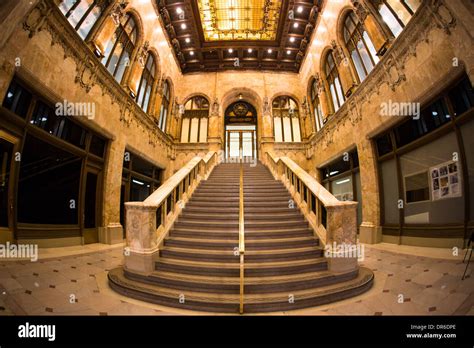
215,107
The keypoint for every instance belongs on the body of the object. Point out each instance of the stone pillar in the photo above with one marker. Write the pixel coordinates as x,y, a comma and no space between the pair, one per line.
112,231
341,229
142,238
370,230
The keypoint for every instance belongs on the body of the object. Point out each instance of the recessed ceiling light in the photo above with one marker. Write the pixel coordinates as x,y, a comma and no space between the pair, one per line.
231,50
179,10
183,26
300,9
188,40
292,39
296,25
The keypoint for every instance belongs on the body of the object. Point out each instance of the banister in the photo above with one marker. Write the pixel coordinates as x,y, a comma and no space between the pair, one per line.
157,197
148,222
333,221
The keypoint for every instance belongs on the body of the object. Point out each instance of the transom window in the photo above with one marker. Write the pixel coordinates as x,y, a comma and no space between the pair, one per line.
195,120
120,48
147,82
362,50
334,82
286,120
82,14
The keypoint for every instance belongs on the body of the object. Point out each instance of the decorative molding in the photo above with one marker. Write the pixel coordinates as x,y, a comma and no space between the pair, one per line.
89,70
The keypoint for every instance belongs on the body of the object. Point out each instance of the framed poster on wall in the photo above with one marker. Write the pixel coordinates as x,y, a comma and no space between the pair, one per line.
445,181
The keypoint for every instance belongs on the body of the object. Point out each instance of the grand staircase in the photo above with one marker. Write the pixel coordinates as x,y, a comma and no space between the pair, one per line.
198,267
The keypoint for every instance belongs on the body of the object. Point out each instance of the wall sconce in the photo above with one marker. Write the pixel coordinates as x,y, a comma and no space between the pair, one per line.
241,96
132,94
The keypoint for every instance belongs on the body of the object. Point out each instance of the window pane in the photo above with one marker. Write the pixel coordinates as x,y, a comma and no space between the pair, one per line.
358,65
79,12
370,45
340,94
185,130
462,97
66,5
89,22
296,129
400,10
124,61
391,21
147,98
17,99
365,56
49,184
194,130
342,188
203,131
97,146
278,130
334,97
287,129
388,170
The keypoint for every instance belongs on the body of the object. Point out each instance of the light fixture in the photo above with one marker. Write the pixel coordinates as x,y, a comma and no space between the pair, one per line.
300,9
292,39
241,96
231,50
188,40
270,51
296,25
250,50
183,26
179,10
288,52
191,53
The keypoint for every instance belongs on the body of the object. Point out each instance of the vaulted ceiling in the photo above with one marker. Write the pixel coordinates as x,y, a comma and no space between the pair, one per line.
217,35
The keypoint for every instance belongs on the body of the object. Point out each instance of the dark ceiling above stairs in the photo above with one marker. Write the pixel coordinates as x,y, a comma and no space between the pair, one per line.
283,259
281,49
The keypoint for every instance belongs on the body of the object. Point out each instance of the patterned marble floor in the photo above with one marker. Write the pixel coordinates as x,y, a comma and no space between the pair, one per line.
77,285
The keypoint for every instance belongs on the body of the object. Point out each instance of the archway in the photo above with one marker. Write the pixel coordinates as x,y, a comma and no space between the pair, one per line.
240,131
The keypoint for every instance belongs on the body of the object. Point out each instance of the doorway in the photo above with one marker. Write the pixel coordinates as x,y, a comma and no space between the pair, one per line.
241,131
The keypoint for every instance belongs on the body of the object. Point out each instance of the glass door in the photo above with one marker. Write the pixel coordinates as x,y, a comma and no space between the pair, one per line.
241,141
91,206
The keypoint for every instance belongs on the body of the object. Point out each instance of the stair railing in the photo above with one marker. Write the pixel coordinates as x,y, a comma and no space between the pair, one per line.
241,236
147,223
334,222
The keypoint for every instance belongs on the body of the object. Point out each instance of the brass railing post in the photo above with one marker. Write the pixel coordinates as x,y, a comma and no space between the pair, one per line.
241,236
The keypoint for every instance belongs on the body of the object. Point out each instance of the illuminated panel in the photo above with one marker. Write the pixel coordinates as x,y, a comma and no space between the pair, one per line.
239,19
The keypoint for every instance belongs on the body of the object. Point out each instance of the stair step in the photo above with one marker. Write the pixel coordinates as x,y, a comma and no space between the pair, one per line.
229,303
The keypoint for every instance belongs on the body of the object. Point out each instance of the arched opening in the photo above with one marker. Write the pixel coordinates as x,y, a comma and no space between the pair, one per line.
241,130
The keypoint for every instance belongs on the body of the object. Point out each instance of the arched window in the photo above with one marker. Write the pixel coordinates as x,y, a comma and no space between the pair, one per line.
82,14
334,82
360,46
397,13
165,106
195,120
120,48
286,119
318,113
146,84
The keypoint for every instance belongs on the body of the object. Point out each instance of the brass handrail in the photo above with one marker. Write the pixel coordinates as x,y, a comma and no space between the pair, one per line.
241,236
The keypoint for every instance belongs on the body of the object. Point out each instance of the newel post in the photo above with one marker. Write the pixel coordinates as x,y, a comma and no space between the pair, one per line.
341,248
142,239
